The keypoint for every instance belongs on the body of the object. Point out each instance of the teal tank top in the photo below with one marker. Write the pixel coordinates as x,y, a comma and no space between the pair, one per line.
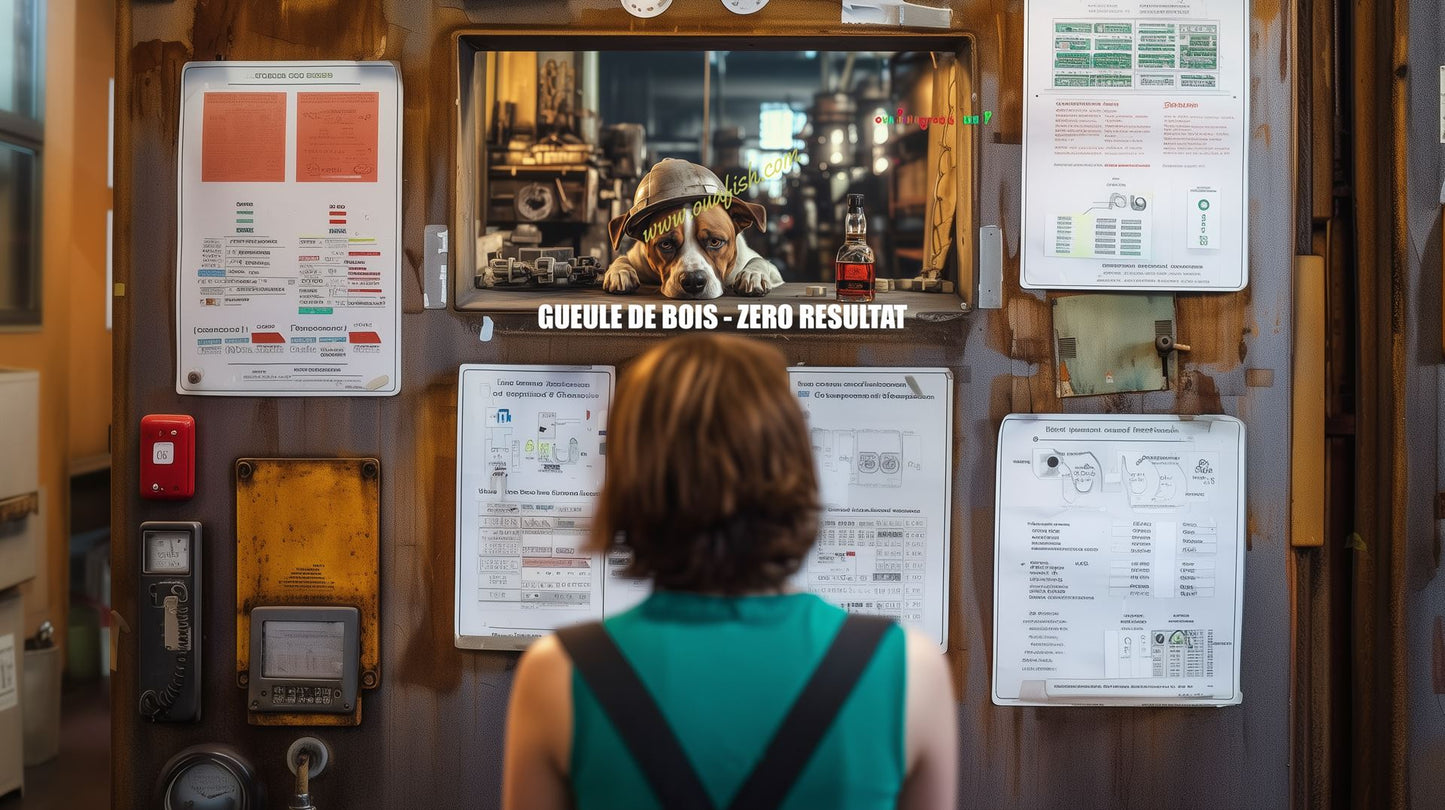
725,670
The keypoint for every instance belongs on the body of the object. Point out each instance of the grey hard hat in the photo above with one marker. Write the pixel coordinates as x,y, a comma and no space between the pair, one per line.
671,183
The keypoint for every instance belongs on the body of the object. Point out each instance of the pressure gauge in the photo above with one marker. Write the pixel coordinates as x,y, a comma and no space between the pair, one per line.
744,6
210,777
167,552
646,8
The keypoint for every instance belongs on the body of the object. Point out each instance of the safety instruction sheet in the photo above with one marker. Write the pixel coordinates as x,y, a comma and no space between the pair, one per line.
288,263
883,444
1135,145
530,447
1119,560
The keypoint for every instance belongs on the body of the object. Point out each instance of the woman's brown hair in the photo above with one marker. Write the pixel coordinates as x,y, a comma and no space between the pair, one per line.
710,478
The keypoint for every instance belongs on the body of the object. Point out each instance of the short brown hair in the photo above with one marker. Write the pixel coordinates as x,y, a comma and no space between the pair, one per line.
710,478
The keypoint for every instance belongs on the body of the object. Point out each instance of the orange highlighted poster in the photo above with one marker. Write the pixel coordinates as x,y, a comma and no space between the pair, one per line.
243,138
336,137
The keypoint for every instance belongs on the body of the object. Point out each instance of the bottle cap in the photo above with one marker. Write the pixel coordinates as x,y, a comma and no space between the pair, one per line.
855,202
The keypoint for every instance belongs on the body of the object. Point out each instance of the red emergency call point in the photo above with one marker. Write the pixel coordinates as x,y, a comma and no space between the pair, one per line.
167,456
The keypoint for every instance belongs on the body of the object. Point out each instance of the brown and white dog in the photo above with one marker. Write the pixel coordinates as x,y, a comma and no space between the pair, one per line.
695,255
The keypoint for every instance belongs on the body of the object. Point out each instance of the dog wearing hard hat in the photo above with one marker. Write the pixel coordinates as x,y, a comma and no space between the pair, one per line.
689,236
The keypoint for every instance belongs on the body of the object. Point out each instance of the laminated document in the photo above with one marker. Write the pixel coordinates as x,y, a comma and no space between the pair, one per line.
883,444
289,244
1119,560
530,446
1136,120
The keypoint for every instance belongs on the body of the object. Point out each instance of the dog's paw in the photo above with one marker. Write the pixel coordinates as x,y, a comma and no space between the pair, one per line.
757,278
620,278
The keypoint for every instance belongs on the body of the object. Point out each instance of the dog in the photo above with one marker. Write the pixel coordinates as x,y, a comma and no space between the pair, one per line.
695,255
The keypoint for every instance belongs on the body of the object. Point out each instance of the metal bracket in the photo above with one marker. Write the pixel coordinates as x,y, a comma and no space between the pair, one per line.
434,267
990,267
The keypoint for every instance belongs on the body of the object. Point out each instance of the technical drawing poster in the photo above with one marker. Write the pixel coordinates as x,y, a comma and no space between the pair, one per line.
288,269
1118,560
1135,152
530,445
883,440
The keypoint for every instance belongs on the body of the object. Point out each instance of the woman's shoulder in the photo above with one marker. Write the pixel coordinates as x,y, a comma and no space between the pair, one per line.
546,666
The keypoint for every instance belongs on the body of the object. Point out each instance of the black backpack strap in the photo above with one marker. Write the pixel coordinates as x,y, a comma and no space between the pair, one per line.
636,717
795,741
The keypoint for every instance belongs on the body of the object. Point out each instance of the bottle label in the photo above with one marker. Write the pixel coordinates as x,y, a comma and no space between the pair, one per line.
855,277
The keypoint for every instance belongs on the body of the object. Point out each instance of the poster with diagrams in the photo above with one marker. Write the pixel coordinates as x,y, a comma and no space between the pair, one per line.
288,257
883,444
530,447
1119,560
1135,145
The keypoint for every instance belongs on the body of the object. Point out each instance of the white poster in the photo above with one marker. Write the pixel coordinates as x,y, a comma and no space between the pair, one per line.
1118,560
287,278
882,440
530,445
1135,153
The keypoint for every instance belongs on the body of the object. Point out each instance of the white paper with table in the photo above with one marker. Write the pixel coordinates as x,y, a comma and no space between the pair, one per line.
1119,560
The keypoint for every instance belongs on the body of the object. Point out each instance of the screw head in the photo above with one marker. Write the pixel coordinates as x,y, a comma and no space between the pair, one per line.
194,377
244,470
369,470
243,678
368,679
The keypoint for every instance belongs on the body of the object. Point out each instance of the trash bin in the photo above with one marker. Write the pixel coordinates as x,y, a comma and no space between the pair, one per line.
41,705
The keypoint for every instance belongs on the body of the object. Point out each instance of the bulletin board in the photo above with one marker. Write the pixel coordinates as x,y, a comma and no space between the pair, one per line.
288,267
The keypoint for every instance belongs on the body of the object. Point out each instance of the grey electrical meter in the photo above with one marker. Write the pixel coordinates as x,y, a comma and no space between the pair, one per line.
304,659
210,777
169,618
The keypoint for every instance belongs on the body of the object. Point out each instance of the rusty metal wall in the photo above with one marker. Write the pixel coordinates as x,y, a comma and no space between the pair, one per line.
431,736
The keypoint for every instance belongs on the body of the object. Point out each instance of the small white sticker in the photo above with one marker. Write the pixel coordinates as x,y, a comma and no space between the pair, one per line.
163,453
9,681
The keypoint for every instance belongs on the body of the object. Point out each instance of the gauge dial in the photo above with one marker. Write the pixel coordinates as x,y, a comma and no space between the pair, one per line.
209,777
167,552
204,786
744,6
646,8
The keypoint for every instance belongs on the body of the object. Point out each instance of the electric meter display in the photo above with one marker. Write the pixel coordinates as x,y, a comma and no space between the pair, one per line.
167,552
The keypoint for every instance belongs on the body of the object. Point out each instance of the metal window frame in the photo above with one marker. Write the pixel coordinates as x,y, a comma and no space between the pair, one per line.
28,133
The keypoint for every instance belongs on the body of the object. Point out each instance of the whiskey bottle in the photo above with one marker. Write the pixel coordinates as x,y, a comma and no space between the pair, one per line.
853,271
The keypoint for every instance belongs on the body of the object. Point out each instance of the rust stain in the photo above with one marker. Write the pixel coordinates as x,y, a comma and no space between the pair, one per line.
316,29
1029,330
431,659
1262,133
1215,327
1198,394
155,96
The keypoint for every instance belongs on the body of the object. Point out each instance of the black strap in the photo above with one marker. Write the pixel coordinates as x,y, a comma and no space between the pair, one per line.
655,747
636,716
812,714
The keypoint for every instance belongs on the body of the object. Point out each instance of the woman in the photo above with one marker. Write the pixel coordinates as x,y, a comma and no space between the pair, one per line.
723,689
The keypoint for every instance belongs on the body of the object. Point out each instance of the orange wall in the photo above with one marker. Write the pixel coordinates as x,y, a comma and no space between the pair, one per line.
71,348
